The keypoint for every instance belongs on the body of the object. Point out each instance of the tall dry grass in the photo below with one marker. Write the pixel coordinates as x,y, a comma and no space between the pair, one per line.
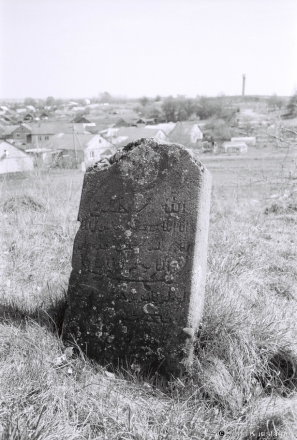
244,378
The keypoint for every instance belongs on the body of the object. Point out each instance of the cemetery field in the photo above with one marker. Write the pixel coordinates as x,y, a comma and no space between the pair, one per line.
244,377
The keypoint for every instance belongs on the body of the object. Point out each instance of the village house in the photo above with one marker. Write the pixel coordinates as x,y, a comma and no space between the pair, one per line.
14,159
28,117
19,133
7,130
79,148
187,132
43,132
43,116
97,148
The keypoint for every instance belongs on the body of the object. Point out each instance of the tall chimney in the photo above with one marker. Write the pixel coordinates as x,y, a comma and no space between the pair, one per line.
243,84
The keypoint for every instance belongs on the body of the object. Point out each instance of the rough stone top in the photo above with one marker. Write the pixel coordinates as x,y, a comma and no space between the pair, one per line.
152,143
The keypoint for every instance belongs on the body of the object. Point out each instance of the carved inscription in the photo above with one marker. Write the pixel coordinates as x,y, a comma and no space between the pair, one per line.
174,206
150,258
149,292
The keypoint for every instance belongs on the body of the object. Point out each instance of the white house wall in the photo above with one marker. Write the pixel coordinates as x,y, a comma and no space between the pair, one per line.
96,147
14,160
196,134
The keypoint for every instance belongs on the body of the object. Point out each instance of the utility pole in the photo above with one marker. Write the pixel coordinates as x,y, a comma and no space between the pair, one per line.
74,145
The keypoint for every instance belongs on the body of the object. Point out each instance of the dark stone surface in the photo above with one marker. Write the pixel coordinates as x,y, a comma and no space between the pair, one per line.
136,290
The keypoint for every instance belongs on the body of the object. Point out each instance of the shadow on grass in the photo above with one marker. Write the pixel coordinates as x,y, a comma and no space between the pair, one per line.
50,316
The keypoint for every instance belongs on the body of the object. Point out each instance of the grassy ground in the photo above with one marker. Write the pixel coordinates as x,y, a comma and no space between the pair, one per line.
244,379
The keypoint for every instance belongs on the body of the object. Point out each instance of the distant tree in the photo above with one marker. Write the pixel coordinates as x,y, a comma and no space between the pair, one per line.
169,109
50,100
138,109
219,129
105,97
144,101
206,107
30,101
190,107
292,106
229,115
181,112
275,102
58,101
153,112
246,125
158,98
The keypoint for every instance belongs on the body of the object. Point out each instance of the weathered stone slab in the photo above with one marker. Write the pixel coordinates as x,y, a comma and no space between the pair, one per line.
136,291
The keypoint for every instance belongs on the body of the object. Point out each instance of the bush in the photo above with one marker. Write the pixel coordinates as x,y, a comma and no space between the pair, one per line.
219,129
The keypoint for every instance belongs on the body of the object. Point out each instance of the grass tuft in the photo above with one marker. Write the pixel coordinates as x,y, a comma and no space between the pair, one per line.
24,201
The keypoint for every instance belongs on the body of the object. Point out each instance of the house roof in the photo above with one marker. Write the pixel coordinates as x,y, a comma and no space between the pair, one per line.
130,134
26,126
100,136
166,127
46,128
186,127
93,129
3,143
10,146
121,123
57,127
11,128
137,132
81,120
125,122
145,120
65,141
7,119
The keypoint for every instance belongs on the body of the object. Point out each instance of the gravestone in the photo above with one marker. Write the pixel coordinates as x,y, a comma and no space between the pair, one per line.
136,291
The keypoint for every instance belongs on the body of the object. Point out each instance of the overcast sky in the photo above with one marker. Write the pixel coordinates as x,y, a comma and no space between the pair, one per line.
78,48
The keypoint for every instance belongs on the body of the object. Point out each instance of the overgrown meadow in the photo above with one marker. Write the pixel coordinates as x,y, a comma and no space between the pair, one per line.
243,382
